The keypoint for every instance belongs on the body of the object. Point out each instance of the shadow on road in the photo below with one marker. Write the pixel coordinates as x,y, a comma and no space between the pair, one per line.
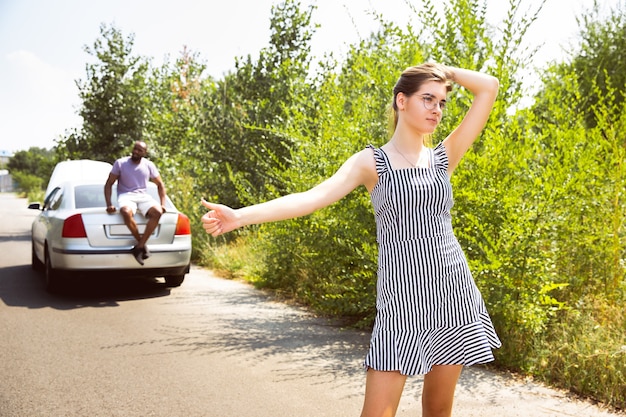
238,321
15,237
20,286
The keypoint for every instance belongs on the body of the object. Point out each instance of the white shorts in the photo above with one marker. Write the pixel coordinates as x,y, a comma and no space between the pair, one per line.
141,202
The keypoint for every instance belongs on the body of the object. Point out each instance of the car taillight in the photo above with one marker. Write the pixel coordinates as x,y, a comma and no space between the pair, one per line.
183,227
73,226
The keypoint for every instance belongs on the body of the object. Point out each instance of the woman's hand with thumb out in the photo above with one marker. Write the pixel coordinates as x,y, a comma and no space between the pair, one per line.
219,219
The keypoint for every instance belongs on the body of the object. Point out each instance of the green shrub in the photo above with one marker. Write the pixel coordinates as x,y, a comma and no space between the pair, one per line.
29,185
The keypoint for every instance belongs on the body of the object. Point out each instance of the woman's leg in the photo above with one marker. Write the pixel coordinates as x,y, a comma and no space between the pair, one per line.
438,391
383,390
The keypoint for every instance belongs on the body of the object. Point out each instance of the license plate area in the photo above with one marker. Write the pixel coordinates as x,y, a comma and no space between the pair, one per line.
121,231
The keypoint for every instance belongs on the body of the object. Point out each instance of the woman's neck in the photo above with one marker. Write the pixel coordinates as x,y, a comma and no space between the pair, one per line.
409,144
408,151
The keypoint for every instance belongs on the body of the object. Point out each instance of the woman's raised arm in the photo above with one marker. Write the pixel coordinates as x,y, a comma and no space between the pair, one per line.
484,87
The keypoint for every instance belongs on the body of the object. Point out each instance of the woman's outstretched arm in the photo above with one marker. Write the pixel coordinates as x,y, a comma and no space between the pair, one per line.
358,170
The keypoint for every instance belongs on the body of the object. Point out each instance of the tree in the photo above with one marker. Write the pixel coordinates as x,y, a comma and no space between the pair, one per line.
598,62
176,93
254,101
38,162
113,100
582,101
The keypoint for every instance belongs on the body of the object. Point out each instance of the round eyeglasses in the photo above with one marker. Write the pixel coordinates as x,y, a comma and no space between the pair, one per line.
430,102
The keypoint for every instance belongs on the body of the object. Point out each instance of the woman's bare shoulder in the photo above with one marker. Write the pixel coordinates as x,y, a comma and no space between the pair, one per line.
366,165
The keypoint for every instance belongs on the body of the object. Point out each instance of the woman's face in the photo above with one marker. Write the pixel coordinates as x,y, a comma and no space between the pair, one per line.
422,110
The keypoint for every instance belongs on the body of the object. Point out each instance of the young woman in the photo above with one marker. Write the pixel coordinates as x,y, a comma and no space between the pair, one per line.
431,319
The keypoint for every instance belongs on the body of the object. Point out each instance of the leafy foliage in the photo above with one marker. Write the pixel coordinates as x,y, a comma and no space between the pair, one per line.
113,104
176,93
598,62
38,162
29,184
255,99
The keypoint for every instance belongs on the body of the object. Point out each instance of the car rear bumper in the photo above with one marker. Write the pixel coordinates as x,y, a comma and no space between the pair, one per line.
127,273
161,262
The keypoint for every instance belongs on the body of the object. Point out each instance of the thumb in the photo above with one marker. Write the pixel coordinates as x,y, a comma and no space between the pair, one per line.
208,205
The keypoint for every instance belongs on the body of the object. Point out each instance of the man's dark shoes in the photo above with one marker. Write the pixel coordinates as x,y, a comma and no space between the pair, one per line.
138,254
146,252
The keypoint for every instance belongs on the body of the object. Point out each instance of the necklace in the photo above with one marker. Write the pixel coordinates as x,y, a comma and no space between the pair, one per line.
414,165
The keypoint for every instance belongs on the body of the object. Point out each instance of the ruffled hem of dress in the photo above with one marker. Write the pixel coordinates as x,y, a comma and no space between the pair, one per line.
415,353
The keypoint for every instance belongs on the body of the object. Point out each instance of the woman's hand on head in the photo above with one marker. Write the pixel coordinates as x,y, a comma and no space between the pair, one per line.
219,219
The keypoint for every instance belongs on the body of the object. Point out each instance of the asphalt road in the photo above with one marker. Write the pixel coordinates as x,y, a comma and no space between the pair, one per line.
210,348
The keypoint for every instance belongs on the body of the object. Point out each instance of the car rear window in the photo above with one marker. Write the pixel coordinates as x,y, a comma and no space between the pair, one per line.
92,195
88,196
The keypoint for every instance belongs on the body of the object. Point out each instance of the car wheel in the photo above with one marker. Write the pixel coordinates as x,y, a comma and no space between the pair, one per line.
174,280
36,264
51,275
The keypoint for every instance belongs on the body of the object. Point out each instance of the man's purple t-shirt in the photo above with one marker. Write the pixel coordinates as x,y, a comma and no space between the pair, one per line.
133,178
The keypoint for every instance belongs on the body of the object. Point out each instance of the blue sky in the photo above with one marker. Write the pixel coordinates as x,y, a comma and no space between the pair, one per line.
42,44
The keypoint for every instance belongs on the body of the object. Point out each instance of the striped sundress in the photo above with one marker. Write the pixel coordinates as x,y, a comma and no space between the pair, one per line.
429,310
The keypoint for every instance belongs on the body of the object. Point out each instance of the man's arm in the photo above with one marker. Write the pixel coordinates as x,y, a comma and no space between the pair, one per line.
108,186
161,187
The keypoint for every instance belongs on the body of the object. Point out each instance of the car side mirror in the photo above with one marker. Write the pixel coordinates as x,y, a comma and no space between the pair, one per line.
34,206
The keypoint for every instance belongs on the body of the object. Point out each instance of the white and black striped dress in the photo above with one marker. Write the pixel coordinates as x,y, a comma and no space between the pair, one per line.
429,310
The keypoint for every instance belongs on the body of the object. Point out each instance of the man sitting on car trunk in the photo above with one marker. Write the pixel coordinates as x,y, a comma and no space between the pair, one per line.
132,174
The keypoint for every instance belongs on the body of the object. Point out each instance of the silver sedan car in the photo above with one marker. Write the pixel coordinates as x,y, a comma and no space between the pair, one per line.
74,234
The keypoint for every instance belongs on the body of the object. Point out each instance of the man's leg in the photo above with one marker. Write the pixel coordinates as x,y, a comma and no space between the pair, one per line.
129,220
153,215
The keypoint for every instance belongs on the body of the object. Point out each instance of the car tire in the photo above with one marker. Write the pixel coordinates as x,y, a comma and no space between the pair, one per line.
51,275
36,264
174,280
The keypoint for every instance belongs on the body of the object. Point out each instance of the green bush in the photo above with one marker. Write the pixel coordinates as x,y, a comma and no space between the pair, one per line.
585,351
29,185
